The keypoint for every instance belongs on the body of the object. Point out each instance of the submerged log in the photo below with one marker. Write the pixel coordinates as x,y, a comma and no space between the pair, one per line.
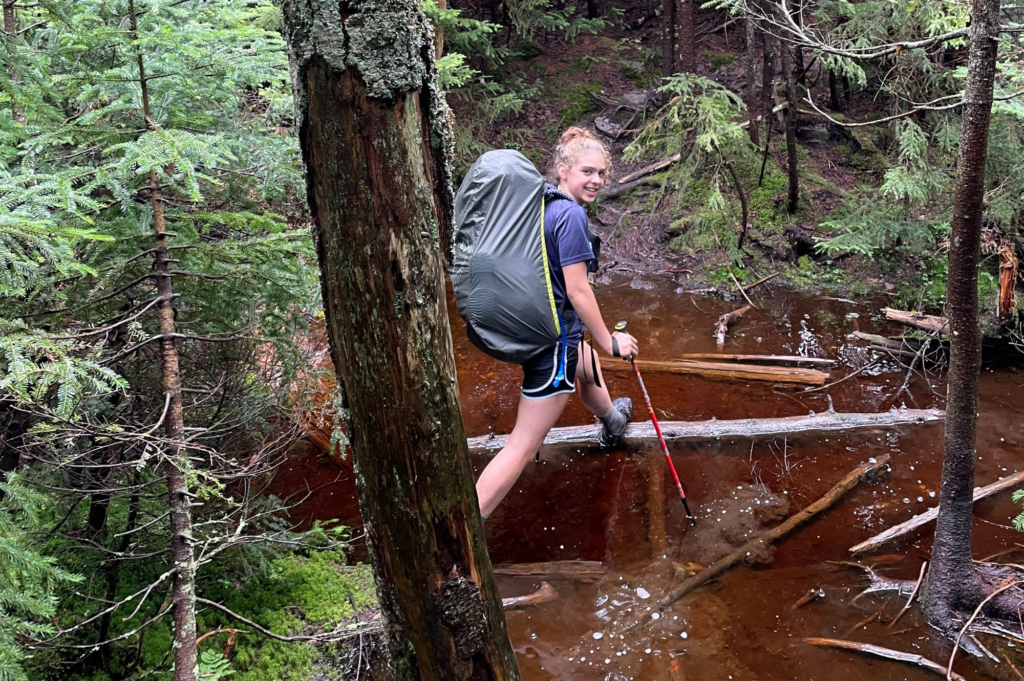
932,513
887,653
579,570
726,371
767,359
725,321
711,430
926,322
545,594
758,544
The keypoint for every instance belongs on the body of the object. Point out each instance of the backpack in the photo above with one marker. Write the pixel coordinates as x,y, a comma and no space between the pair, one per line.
499,267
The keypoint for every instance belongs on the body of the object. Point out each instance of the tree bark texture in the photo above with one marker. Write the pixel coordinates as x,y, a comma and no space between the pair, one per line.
834,97
183,593
751,78
952,579
668,40
767,76
11,29
375,136
687,37
791,158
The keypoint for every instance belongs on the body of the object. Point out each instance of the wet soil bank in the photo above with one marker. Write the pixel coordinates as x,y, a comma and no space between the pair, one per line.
579,504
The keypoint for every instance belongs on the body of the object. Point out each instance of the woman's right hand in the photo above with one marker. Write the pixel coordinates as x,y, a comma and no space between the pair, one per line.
628,348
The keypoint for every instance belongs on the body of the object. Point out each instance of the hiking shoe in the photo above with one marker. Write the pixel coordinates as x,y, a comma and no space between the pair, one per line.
614,425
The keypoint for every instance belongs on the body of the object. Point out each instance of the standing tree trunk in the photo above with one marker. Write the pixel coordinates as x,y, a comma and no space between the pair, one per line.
751,85
791,159
11,29
183,593
953,581
767,77
376,138
668,40
687,37
833,91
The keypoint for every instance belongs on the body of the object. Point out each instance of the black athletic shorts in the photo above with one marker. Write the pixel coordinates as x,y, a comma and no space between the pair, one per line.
539,372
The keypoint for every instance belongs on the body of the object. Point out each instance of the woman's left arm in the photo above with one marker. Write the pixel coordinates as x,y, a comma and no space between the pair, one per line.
583,301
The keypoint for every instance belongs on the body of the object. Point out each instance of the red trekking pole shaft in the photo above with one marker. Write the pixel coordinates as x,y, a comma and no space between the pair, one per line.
621,326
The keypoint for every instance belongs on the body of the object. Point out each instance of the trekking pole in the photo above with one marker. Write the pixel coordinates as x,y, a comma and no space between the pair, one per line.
621,326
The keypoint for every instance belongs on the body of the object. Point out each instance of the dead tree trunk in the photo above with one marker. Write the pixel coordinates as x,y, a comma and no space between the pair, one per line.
751,78
376,139
687,37
668,40
791,158
834,96
1007,283
183,592
953,583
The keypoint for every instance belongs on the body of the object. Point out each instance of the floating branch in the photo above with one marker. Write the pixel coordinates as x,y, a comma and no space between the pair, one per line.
931,514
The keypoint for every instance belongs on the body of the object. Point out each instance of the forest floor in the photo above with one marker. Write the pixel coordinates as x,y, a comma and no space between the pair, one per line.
651,230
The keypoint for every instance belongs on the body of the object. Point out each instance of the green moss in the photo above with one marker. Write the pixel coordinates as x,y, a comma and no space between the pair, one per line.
720,60
578,101
298,594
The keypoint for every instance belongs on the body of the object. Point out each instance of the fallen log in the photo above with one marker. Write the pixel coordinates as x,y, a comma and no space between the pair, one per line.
725,321
926,322
931,514
758,544
725,371
579,570
767,359
887,653
714,429
545,594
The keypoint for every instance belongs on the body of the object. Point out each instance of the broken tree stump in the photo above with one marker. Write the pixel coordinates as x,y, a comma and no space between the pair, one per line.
1007,282
926,322
932,513
712,430
727,320
545,594
725,371
579,570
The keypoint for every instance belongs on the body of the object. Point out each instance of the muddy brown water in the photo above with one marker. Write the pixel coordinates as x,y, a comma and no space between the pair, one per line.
580,504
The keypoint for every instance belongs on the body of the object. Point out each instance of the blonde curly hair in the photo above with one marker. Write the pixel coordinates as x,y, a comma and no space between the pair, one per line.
572,144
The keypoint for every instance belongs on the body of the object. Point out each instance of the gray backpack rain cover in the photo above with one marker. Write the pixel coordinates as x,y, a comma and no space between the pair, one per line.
500,265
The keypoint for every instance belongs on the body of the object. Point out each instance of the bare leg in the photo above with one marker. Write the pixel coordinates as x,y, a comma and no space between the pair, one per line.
596,399
533,421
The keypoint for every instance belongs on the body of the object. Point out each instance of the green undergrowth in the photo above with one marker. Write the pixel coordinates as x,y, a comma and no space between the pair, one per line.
298,595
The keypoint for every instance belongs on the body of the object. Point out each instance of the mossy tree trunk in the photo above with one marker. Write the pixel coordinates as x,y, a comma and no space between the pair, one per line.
953,581
375,136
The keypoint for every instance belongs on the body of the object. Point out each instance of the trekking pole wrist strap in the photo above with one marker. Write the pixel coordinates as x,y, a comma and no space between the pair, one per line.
615,348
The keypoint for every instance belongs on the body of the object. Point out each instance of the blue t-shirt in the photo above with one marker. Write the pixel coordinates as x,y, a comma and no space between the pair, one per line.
568,242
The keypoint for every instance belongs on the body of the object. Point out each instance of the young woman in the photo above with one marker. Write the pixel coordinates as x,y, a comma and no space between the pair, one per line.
581,166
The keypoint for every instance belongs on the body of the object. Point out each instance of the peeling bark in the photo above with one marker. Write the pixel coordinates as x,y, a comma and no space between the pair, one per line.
953,582
375,135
